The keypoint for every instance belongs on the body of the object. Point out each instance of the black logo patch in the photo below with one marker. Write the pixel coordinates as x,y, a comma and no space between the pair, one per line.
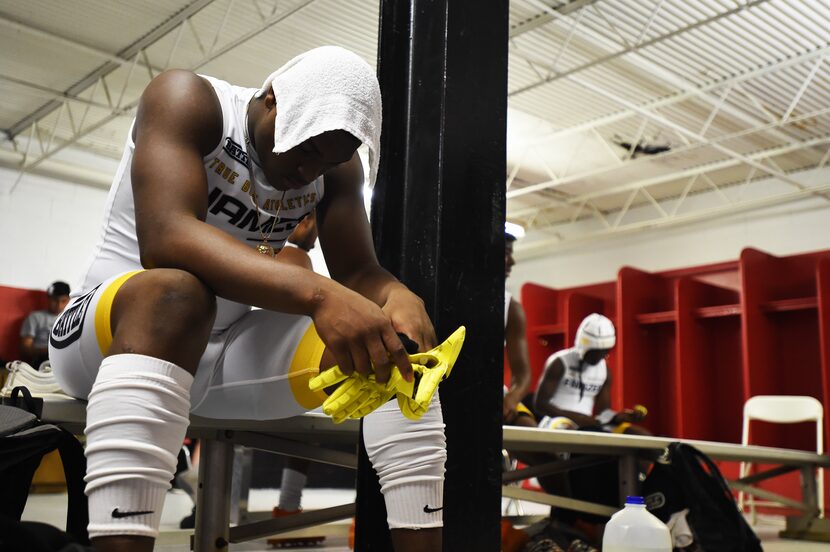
70,323
116,514
235,150
428,510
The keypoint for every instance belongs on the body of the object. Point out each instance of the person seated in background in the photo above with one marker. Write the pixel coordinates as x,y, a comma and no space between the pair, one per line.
34,334
515,344
575,393
575,389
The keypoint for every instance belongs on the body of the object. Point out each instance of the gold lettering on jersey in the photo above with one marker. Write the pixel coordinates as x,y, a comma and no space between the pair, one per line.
225,171
270,204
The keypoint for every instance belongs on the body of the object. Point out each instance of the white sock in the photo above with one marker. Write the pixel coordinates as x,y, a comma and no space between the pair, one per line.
291,489
136,421
409,458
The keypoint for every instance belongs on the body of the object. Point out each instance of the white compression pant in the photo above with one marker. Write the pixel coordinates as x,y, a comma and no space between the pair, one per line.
257,367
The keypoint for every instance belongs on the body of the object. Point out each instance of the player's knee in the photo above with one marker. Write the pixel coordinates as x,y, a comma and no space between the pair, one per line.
182,306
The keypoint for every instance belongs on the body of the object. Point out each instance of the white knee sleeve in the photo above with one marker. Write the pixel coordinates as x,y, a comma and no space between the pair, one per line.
136,421
409,458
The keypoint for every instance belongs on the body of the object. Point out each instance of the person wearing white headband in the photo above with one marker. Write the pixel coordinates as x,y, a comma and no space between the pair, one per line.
213,179
575,389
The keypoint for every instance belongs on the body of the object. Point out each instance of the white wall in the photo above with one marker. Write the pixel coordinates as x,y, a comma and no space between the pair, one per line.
47,229
795,227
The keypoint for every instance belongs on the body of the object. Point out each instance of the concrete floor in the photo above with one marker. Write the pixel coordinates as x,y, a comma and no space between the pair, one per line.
51,508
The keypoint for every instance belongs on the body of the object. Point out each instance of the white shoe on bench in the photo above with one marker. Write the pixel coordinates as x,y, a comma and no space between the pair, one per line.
39,382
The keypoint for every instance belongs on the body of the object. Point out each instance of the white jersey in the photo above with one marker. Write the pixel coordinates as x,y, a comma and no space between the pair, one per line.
230,206
507,299
577,392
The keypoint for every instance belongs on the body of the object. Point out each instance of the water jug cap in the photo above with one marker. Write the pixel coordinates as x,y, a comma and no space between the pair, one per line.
635,500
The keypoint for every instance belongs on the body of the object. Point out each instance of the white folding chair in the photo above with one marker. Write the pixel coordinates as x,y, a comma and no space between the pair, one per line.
783,409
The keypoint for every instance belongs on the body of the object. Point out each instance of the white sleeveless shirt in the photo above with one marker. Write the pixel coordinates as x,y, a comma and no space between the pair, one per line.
230,205
567,395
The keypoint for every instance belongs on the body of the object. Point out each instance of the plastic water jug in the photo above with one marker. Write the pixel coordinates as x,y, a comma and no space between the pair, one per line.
634,529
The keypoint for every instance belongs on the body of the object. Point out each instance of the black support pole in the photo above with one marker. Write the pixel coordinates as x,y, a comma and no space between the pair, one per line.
438,220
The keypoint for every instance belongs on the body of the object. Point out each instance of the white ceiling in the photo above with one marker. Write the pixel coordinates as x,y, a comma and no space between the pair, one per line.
738,91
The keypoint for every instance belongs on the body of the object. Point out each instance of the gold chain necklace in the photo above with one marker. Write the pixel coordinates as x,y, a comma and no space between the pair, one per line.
265,248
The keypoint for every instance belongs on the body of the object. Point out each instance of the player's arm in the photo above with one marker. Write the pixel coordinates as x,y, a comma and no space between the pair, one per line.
28,351
603,403
517,356
547,387
179,121
295,256
346,241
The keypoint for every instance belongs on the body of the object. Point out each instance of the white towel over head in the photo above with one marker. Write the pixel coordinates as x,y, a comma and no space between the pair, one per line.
324,89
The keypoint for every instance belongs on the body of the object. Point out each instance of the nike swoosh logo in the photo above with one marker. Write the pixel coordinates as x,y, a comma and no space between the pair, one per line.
428,510
116,514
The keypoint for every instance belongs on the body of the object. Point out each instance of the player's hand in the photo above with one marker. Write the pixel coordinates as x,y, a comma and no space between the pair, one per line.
408,315
359,335
509,405
629,415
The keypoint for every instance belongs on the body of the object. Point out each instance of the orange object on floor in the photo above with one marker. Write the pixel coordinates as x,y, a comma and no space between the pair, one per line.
512,539
291,542
351,534
49,477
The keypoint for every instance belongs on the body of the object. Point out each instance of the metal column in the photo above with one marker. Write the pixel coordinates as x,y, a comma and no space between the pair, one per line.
438,221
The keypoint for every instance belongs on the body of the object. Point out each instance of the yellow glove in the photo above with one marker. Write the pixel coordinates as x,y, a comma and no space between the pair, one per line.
357,395
430,368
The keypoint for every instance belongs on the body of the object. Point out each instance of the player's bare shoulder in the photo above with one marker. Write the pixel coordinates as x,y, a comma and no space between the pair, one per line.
181,106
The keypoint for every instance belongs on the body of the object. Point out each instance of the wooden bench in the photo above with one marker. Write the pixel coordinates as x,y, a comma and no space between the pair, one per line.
299,437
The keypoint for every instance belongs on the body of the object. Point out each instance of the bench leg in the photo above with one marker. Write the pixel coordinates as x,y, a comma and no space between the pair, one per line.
629,477
213,497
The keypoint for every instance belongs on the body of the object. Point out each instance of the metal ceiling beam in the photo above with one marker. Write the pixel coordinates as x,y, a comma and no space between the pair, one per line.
119,110
546,17
662,179
526,250
672,78
51,36
686,95
51,92
627,49
643,160
128,53
662,121
736,157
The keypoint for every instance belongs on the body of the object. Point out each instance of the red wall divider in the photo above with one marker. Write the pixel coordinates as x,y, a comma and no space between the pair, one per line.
694,344
15,305
709,361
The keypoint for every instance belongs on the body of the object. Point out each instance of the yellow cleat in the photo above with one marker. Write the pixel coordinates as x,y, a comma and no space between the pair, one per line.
431,368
